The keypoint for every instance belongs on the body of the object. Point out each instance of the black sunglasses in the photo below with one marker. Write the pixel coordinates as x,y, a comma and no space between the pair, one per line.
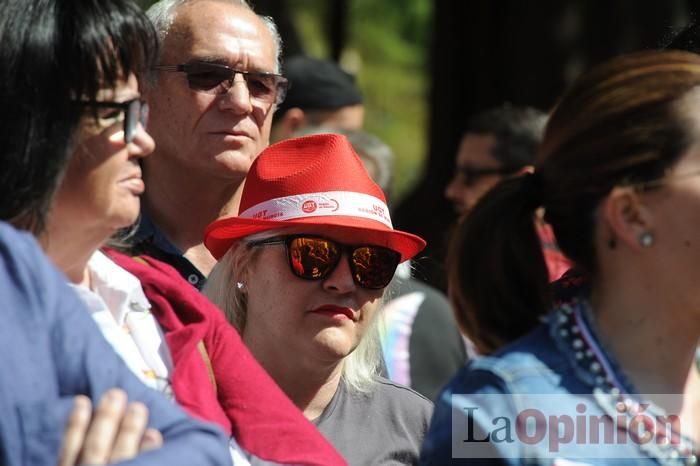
134,111
214,78
314,258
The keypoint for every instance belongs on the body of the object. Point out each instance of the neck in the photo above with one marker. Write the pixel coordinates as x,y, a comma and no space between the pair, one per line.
70,247
310,386
649,332
313,395
182,203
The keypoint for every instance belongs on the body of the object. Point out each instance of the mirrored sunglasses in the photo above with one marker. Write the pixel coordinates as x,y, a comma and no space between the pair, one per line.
131,113
215,78
315,258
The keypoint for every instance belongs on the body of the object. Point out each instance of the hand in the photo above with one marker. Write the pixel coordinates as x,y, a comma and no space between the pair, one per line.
116,432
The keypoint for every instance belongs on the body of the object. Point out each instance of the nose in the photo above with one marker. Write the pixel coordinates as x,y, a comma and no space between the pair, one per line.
453,190
142,144
237,98
340,279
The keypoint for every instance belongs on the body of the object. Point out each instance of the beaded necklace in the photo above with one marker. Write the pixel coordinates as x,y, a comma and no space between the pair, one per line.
570,324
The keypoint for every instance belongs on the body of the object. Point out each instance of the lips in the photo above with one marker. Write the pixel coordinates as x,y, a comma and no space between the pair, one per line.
135,185
134,182
235,133
335,311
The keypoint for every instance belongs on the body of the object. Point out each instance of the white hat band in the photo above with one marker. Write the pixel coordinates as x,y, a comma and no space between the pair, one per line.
332,203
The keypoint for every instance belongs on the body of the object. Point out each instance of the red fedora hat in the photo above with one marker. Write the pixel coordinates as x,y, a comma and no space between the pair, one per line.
317,181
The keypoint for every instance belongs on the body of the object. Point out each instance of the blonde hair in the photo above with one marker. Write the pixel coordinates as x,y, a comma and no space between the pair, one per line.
359,368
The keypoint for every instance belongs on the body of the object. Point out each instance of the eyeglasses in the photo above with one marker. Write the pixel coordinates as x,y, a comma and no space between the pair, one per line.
132,112
315,258
214,78
471,175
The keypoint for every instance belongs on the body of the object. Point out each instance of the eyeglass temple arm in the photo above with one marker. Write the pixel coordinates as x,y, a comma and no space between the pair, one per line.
268,241
170,67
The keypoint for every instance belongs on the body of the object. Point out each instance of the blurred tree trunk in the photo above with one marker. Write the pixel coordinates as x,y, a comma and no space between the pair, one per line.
485,52
337,26
279,11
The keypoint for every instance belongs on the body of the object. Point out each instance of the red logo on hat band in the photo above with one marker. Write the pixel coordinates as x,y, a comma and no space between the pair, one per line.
308,206
334,203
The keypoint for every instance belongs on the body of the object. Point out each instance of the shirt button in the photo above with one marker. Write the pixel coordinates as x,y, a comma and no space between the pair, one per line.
136,306
193,279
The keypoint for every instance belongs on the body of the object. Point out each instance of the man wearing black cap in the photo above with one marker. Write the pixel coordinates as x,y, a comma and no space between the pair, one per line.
321,94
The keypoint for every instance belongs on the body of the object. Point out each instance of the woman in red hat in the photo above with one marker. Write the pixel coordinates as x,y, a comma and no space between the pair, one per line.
302,269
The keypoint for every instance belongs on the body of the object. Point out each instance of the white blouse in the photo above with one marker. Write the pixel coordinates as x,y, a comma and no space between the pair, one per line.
120,308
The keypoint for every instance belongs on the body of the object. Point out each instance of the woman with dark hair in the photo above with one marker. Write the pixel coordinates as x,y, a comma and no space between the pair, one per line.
57,56
619,179
54,359
169,335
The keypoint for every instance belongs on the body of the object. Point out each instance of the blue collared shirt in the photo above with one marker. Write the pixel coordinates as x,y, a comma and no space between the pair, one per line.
149,240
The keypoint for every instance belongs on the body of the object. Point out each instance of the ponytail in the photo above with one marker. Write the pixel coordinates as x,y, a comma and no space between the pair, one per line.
497,276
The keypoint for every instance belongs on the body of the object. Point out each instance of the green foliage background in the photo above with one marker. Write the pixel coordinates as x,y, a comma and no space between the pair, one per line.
386,48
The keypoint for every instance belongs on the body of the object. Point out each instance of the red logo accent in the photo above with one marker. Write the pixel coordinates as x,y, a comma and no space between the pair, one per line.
308,206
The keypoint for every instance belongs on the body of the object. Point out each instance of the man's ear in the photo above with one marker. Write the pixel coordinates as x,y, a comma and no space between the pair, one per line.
628,218
293,120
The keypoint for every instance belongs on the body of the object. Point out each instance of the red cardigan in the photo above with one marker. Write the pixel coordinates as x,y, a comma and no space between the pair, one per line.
250,405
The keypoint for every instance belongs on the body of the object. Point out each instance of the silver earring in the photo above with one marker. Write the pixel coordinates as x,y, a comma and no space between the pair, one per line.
646,239
240,285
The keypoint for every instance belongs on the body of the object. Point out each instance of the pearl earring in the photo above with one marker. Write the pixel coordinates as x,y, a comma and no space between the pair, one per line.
240,285
646,239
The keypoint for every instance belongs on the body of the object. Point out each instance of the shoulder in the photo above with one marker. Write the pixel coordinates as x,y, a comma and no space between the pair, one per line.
28,280
400,394
20,254
396,401
386,400
533,356
530,365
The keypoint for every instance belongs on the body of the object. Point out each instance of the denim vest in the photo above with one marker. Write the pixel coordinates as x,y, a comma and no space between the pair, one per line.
553,397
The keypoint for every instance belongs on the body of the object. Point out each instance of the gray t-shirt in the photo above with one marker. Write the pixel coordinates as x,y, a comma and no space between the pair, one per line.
383,427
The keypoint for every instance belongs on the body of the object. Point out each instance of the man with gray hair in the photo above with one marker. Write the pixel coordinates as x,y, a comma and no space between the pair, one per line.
212,97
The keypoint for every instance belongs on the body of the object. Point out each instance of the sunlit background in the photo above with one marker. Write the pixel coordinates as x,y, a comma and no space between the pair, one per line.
426,66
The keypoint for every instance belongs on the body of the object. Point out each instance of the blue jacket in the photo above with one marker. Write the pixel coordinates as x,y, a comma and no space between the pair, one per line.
51,350
561,388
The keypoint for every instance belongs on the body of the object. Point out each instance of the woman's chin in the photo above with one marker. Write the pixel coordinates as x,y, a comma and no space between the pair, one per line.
123,221
332,344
